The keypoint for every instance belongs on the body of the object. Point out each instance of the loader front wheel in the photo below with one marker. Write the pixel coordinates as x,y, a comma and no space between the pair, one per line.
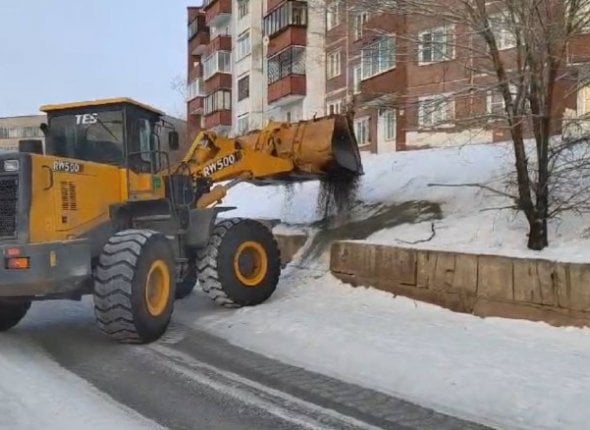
241,264
135,286
11,313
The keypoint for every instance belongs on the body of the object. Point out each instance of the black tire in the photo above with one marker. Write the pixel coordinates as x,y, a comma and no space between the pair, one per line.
216,273
121,305
187,285
12,312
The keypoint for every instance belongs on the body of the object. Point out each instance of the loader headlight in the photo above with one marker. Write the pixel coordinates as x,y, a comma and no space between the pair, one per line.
11,166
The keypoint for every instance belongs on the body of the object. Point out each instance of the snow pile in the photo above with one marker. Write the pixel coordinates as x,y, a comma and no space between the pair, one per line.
35,393
503,373
470,222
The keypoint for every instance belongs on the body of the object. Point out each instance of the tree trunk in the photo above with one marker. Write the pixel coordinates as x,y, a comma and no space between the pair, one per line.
538,234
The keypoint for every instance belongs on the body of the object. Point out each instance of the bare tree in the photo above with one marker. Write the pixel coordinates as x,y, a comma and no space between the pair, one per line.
517,50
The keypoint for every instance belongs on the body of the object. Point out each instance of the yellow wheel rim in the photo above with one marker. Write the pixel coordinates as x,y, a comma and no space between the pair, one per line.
157,288
250,263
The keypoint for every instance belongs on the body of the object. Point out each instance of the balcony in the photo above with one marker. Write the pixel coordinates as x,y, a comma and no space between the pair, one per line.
218,81
290,37
286,24
217,63
220,42
218,121
287,90
198,37
195,106
195,89
217,12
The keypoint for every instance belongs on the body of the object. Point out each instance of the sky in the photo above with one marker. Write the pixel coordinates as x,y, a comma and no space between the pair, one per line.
54,51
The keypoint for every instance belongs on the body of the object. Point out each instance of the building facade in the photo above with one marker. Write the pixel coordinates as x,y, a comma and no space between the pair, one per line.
254,61
13,129
408,81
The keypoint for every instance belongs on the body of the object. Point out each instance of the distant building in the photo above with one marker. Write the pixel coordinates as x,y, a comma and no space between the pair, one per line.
13,129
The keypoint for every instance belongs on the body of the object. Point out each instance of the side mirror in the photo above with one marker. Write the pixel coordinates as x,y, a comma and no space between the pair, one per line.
173,140
33,146
44,128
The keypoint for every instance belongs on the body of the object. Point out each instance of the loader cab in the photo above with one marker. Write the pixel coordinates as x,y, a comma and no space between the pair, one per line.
118,132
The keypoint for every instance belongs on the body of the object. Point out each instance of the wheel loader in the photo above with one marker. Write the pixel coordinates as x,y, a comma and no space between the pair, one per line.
99,209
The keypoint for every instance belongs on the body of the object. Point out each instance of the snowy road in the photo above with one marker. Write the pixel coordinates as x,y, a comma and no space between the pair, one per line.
58,372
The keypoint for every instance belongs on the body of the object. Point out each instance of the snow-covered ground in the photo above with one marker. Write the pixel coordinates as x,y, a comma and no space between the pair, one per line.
467,224
36,393
504,373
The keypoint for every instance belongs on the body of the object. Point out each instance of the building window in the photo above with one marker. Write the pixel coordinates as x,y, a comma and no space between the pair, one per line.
362,131
244,88
332,15
291,61
244,48
333,64
218,62
503,33
195,89
389,125
358,23
378,57
290,13
435,111
435,45
243,8
217,101
288,116
243,123
193,29
334,107
356,78
496,104
20,132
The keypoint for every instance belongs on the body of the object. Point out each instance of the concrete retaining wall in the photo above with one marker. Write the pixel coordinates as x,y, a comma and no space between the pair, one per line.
539,290
289,245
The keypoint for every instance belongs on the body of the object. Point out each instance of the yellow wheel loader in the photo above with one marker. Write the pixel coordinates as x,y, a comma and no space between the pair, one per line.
98,209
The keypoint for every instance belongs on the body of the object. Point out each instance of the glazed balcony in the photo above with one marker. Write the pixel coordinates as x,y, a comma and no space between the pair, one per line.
217,12
287,90
286,25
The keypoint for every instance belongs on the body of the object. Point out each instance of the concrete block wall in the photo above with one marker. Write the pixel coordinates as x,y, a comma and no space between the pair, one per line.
483,285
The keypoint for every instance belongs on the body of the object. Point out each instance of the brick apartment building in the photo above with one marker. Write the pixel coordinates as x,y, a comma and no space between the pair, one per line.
380,65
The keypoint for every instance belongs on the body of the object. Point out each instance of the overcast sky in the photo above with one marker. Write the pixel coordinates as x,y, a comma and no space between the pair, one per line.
55,51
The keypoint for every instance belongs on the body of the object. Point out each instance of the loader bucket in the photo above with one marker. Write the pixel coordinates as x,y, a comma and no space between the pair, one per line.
319,148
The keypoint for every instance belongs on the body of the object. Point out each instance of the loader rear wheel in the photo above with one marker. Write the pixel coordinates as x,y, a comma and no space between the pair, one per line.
135,286
11,313
241,264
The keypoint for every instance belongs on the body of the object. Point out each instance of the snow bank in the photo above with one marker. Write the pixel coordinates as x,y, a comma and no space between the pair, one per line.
503,373
35,393
469,223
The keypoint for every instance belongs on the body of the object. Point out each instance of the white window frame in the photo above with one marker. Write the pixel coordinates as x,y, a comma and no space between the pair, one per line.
357,78
243,8
366,130
497,91
243,124
332,15
244,47
370,70
195,89
504,37
334,107
211,64
334,64
240,79
428,105
390,120
359,20
448,38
